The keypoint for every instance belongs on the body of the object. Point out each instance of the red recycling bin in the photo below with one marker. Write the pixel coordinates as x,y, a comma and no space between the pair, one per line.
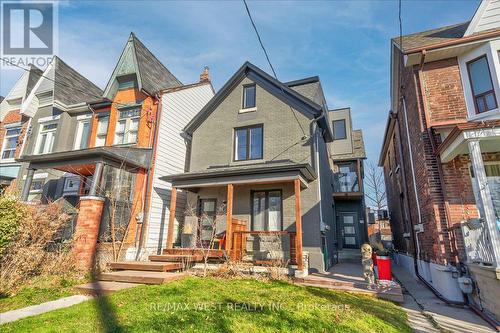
374,258
384,268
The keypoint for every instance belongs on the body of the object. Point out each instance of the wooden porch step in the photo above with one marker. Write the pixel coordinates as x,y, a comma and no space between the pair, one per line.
146,266
100,288
212,253
175,258
145,277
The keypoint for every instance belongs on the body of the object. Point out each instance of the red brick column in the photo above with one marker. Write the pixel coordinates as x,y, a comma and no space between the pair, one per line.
87,231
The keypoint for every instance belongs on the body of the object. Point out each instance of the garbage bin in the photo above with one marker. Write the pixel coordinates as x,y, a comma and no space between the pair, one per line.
384,267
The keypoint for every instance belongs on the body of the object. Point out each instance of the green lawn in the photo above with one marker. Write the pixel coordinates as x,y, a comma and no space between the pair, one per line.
40,290
216,305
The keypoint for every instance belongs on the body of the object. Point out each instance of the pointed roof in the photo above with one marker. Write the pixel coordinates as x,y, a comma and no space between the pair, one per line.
152,75
20,90
68,86
486,17
281,90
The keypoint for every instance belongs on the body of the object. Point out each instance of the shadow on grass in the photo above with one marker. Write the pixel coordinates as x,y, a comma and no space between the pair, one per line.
384,310
105,310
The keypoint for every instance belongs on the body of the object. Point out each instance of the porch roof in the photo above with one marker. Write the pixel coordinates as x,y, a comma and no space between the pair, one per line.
128,157
249,174
488,132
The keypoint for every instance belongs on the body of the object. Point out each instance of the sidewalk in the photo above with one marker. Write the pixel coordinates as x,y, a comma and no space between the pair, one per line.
33,310
421,303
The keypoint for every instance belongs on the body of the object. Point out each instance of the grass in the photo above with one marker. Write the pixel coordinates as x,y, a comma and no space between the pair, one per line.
216,305
40,290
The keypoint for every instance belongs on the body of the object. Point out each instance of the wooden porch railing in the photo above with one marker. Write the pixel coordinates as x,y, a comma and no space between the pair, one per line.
239,245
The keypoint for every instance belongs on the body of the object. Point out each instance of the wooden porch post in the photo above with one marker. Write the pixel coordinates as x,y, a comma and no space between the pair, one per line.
171,219
229,218
298,227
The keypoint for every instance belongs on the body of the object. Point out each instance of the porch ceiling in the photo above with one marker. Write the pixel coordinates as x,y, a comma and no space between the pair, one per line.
253,174
84,159
456,143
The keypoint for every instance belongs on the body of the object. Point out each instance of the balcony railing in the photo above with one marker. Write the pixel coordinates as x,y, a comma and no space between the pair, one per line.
345,182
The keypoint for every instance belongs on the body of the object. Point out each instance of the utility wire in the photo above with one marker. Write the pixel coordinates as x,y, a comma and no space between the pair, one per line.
62,84
305,136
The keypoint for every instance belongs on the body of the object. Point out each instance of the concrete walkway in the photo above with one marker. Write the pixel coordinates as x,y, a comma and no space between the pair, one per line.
427,313
34,310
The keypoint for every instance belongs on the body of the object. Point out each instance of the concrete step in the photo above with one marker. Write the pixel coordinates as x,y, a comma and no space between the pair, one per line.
145,277
146,266
99,288
182,258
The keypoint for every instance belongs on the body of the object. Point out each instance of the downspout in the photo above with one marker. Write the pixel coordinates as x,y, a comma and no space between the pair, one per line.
149,178
413,231
314,124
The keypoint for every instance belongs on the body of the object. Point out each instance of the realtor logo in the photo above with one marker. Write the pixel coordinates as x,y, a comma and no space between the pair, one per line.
28,32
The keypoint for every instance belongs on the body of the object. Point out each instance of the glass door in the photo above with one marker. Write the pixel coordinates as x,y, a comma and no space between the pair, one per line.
350,238
207,215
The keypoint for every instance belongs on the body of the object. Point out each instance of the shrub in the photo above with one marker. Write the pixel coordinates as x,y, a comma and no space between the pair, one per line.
10,215
35,248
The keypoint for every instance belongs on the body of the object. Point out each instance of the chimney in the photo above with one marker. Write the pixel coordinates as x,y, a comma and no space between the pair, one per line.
205,76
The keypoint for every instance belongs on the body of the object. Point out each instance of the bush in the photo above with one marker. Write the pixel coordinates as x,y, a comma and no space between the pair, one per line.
34,249
10,215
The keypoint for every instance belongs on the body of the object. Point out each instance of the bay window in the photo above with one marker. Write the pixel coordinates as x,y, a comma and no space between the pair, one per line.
10,142
481,84
127,126
46,136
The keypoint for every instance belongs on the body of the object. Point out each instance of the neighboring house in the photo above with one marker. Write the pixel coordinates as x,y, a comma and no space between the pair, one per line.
347,152
13,124
56,108
106,150
258,157
441,156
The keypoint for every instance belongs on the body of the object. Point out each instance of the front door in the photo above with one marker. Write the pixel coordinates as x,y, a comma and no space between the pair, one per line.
349,230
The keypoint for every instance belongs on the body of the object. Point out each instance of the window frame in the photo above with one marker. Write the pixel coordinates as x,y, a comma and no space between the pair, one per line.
247,128
5,139
40,134
244,97
266,209
345,130
79,133
126,130
99,116
476,97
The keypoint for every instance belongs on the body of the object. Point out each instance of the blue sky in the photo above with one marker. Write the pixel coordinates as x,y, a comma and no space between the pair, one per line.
346,43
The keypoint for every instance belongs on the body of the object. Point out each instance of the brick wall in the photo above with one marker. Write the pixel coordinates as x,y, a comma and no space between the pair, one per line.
87,231
14,117
444,92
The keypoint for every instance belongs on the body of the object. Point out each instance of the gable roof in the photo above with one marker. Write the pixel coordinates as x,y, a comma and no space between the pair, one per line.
21,89
68,86
71,87
433,36
486,17
152,75
279,89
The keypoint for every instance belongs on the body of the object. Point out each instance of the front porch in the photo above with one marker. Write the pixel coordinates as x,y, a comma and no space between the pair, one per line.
471,158
243,215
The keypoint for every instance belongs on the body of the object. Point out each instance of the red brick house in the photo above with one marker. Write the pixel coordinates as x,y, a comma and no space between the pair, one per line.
441,157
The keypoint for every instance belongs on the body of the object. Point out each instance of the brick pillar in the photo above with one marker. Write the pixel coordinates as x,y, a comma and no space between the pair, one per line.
87,231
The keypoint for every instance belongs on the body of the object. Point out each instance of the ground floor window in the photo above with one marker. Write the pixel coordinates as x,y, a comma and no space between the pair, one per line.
492,170
267,210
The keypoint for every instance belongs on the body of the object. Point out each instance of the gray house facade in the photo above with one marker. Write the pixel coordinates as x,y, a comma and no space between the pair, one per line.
259,155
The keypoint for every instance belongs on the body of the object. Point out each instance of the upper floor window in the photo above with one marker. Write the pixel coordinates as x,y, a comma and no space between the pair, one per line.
249,96
127,126
82,134
127,82
102,129
45,140
10,142
346,178
339,130
481,85
248,143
